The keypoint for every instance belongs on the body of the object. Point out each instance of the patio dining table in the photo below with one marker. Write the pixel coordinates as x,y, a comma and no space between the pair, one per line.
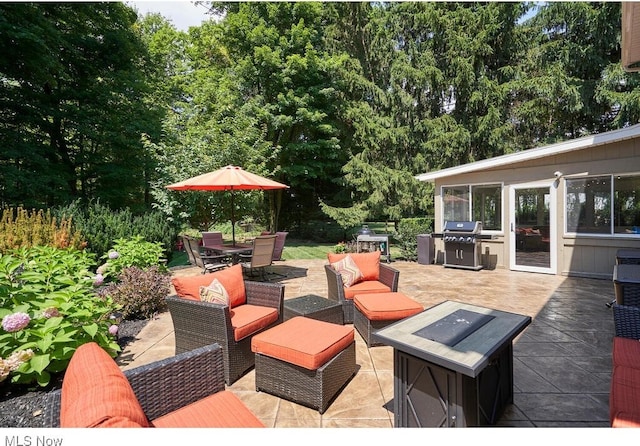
231,250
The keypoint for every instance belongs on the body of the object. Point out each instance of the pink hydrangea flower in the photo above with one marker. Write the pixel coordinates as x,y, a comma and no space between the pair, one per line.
113,330
114,254
15,322
98,279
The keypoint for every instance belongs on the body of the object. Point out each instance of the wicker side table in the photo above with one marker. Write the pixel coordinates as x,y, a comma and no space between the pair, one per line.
626,282
314,307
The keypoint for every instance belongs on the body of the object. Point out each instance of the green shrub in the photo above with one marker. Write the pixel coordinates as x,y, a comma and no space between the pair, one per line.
128,252
49,307
407,235
102,226
320,231
140,293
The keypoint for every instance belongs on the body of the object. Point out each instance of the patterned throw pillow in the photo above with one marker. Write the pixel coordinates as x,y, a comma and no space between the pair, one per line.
214,293
348,270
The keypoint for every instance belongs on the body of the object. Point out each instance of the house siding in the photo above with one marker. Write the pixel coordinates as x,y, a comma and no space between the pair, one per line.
577,255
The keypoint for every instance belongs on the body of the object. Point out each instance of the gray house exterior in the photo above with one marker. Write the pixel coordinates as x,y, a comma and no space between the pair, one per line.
566,208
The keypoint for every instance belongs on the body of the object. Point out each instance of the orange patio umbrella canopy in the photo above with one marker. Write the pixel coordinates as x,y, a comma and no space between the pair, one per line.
229,178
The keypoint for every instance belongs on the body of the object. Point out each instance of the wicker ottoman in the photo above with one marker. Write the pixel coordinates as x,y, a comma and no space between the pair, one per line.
305,360
375,311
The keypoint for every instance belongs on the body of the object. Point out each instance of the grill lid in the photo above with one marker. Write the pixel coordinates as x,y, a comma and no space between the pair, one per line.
463,226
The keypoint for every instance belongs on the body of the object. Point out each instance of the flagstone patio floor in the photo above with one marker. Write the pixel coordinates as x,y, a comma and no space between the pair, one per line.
562,361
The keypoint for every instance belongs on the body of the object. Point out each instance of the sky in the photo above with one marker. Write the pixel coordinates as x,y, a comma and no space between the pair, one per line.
182,14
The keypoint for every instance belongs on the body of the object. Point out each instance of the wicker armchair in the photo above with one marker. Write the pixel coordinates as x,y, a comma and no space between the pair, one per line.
627,321
171,384
201,323
387,276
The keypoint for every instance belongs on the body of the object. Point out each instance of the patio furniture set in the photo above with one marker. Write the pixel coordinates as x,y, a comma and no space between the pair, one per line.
302,350
211,253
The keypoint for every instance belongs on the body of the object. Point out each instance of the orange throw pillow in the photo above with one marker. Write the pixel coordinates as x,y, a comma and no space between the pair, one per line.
95,392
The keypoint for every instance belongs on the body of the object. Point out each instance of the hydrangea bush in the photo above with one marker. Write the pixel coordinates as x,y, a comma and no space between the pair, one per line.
128,252
49,307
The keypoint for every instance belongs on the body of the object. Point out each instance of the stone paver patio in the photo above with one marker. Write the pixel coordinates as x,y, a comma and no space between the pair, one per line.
562,361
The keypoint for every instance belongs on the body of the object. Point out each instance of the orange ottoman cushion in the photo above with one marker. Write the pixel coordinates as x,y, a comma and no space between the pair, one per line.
95,392
230,278
222,409
302,341
368,263
386,306
626,352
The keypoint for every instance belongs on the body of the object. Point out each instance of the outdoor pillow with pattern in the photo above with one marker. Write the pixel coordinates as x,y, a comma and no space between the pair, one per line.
214,293
348,270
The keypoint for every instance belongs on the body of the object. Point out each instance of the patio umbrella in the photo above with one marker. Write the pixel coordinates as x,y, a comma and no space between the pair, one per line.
229,178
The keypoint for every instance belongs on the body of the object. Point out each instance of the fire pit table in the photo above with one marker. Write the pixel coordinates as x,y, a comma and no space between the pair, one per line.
453,365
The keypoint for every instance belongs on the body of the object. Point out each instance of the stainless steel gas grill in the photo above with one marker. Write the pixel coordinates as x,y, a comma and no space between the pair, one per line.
462,244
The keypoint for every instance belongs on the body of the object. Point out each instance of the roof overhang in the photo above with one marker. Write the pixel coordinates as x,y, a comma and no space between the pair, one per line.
630,44
539,152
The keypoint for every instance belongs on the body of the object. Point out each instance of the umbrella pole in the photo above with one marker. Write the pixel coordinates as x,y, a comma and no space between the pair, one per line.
233,222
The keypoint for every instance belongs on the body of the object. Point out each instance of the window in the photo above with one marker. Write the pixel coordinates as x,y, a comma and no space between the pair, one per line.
486,204
588,205
456,203
603,205
626,211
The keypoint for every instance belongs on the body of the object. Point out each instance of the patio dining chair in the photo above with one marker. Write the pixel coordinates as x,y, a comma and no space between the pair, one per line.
261,256
204,259
187,248
212,239
277,251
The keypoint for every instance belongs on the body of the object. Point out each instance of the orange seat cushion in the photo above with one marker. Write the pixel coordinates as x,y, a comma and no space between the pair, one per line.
95,392
626,352
624,397
302,341
222,409
248,319
386,306
369,286
230,278
368,262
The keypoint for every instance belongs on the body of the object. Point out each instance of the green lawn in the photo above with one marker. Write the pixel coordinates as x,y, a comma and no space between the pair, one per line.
293,249
298,249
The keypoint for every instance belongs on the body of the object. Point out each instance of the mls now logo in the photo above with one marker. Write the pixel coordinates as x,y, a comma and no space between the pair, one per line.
28,440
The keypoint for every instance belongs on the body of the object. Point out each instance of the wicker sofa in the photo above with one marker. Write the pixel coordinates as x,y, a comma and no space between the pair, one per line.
186,390
624,397
376,278
253,308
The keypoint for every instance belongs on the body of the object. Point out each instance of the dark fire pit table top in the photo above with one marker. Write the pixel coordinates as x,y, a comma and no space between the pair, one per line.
471,354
